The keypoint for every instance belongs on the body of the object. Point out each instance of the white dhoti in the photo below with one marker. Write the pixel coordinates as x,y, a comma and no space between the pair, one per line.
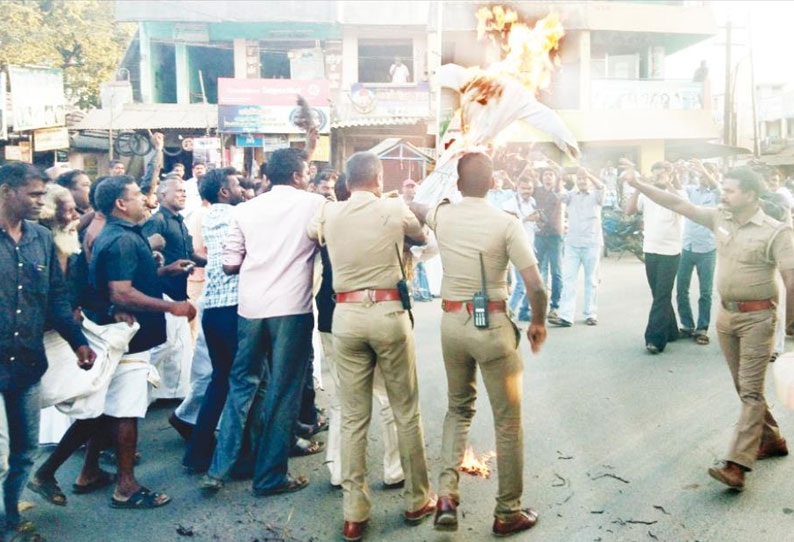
128,392
200,377
173,359
392,468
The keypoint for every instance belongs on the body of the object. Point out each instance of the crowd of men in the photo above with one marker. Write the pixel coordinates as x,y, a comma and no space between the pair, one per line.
223,315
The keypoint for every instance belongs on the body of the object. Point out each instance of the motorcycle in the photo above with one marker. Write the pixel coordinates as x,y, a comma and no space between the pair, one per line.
622,233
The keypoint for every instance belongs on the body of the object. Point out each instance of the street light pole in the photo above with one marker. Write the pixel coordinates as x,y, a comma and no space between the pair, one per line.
727,109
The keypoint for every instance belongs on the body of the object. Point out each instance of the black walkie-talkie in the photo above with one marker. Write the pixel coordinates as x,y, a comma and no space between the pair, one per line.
480,301
402,285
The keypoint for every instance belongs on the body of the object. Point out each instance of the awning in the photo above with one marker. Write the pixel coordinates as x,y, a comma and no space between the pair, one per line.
784,158
377,121
152,117
687,149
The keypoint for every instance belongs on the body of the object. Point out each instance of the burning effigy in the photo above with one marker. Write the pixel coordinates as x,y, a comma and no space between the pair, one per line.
493,98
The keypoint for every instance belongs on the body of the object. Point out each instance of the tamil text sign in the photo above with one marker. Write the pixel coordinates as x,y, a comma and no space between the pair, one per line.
3,110
648,94
37,96
50,139
269,106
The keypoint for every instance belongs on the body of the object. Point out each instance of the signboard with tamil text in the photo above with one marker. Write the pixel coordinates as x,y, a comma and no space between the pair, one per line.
38,100
50,139
3,110
269,106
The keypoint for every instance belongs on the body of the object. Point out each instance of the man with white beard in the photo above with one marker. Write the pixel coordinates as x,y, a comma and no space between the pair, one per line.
60,216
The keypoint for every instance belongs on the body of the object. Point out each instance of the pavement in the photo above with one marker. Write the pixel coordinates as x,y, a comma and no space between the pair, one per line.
617,444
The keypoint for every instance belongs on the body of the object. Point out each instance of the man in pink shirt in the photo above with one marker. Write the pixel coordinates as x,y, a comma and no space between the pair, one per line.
268,246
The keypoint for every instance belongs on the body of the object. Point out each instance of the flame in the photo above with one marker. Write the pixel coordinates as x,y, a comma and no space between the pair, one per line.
526,50
526,58
476,466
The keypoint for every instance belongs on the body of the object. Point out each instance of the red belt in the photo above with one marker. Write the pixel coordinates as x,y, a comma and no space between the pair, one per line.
372,295
455,306
748,306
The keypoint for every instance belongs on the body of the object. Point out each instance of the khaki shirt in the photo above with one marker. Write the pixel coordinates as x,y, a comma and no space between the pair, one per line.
472,227
361,234
747,256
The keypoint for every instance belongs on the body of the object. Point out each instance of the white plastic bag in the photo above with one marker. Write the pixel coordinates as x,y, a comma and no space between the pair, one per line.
784,378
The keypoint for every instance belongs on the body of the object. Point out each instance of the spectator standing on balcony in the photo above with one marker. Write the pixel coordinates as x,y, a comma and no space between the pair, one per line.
699,251
662,247
399,72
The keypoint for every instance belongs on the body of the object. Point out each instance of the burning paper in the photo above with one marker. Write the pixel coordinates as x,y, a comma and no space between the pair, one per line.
495,97
476,466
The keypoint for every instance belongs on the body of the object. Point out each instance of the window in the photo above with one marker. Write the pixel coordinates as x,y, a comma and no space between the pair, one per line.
274,64
375,57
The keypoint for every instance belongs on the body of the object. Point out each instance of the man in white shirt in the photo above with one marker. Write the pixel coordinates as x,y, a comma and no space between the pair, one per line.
193,199
399,72
523,206
662,231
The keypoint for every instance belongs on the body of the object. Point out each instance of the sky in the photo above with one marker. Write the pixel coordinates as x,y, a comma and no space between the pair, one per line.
766,24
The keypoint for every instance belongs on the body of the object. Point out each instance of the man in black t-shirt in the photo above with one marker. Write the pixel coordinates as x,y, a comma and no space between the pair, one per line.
125,276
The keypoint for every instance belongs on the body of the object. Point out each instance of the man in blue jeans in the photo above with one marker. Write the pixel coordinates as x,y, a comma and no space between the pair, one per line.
222,189
583,245
699,252
548,240
33,295
267,245
523,206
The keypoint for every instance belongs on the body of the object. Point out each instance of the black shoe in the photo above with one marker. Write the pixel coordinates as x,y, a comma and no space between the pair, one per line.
560,322
395,485
184,429
591,322
652,348
686,333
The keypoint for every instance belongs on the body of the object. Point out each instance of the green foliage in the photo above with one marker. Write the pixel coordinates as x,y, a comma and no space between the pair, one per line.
79,36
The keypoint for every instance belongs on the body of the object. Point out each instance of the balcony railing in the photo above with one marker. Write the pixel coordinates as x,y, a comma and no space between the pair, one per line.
646,94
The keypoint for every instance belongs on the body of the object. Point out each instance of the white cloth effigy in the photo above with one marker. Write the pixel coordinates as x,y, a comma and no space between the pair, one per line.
73,391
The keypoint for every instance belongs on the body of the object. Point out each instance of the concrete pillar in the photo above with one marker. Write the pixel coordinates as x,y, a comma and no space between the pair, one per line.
349,60
584,70
239,58
182,64
147,89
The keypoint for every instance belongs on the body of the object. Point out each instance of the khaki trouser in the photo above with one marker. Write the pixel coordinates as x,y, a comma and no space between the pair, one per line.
495,351
366,334
746,339
392,468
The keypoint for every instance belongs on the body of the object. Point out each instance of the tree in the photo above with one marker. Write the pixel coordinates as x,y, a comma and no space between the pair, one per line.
79,36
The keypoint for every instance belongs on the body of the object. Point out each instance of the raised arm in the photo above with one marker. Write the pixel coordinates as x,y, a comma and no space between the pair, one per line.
701,215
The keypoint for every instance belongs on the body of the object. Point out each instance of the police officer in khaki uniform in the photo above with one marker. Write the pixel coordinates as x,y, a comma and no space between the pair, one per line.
472,236
370,327
750,247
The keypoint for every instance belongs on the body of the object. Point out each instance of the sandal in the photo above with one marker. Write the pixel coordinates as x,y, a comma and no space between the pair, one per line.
141,499
49,489
103,480
701,338
292,485
302,450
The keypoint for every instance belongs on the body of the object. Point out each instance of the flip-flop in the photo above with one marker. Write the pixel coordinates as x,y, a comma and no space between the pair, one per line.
140,500
103,480
49,489
292,485
315,447
701,338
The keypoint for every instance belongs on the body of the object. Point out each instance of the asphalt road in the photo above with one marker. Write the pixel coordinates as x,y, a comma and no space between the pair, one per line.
617,444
